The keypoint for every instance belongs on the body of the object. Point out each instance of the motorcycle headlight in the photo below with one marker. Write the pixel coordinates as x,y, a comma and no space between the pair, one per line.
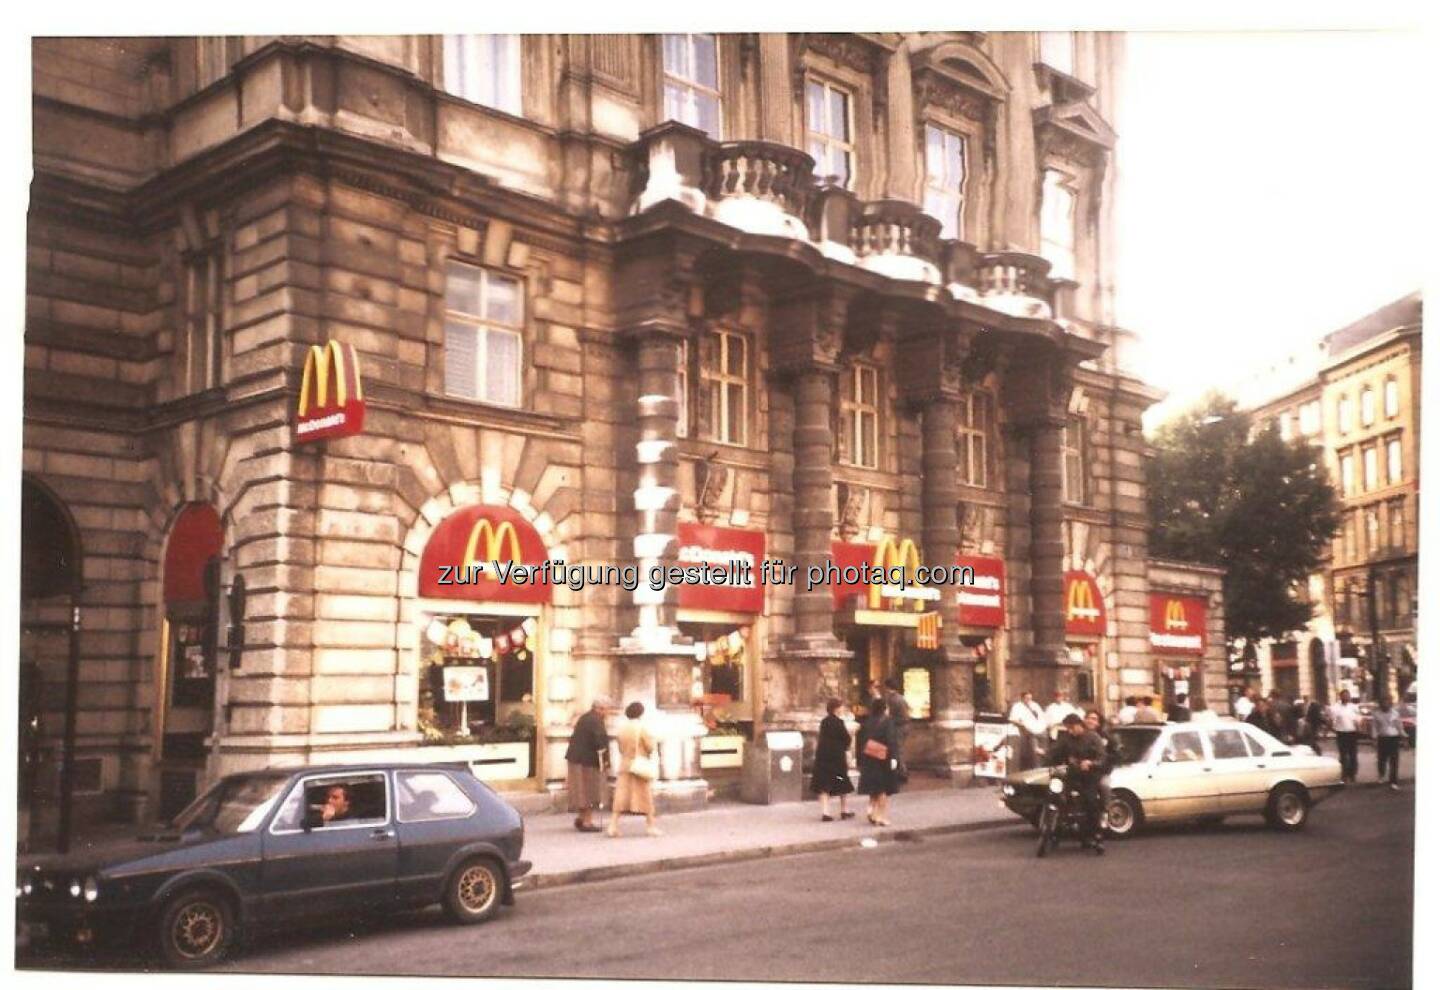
91,889
75,888
1056,785
1008,790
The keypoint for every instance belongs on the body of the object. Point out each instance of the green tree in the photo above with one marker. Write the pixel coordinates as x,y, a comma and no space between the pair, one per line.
1260,507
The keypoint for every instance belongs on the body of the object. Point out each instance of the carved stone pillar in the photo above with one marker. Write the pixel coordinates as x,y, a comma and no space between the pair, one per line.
657,494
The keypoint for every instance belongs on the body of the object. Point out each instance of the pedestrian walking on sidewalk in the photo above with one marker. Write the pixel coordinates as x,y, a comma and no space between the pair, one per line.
1386,727
585,781
633,792
875,747
831,774
899,710
1344,718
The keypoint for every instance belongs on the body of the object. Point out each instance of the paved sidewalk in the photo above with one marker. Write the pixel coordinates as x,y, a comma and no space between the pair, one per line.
730,832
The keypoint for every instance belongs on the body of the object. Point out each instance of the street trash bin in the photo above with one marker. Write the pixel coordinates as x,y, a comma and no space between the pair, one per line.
772,772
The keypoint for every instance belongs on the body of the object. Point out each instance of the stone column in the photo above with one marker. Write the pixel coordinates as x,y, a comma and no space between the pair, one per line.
814,508
1047,539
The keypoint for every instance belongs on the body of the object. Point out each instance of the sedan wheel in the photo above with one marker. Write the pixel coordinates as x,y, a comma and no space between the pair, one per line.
1122,816
475,891
196,929
1289,807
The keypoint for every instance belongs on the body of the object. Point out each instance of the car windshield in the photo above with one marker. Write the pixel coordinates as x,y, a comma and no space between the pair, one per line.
1134,744
233,805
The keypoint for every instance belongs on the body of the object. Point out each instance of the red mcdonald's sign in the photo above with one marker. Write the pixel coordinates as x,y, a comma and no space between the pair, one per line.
1177,624
460,559
1084,605
717,546
332,399
983,603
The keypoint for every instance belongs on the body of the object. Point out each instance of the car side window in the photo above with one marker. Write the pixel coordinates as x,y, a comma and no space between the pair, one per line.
1254,745
1228,744
334,802
427,796
1183,747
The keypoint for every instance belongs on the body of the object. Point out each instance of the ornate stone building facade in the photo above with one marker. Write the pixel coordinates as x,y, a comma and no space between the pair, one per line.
614,300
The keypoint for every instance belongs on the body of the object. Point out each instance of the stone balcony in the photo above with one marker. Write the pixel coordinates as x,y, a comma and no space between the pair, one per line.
1016,283
759,186
895,238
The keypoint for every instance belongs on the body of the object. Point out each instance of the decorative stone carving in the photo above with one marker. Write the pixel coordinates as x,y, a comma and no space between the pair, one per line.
852,500
711,480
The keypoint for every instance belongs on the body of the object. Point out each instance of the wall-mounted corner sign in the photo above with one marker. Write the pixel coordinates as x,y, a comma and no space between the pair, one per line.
332,400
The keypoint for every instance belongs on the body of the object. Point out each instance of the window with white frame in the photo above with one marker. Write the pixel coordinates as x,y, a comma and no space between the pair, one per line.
1285,426
725,372
975,421
484,69
860,416
203,301
692,81
1072,451
1367,406
1394,461
945,179
1392,398
1310,418
1347,474
484,314
1343,413
1057,50
829,131
1351,537
1371,461
1057,224
682,388
1372,530
1395,511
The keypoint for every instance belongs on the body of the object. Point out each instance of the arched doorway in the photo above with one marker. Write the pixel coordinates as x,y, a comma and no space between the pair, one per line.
186,674
51,578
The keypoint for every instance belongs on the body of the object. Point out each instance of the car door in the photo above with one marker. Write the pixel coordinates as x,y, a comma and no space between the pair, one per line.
336,866
1181,781
434,817
1240,773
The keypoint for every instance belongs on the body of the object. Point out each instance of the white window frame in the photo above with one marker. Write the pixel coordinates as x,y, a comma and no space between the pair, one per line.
693,89
484,328
1347,473
1367,406
1285,430
1394,460
831,143
1343,412
1371,519
860,417
485,69
1075,453
1058,222
719,380
682,388
1392,398
1370,467
1310,418
204,315
975,440
944,194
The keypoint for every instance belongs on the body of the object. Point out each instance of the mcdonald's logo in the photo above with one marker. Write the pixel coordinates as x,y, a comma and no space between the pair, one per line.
1175,615
1084,607
485,553
1177,624
332,399
496,539
904,555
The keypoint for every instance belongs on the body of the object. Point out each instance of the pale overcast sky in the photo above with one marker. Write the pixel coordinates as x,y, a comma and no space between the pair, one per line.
1270,194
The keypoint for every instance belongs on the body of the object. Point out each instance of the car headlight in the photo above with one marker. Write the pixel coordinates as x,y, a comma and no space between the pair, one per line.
75,888
1056,785
91,889
1008,790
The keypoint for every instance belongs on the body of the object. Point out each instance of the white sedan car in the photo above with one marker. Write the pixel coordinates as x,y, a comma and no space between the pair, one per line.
1198,770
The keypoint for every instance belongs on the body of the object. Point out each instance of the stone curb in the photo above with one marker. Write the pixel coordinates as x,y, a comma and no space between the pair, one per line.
546,881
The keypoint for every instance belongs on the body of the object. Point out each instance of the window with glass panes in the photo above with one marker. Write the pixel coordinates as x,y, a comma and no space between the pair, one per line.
1310,419
1394,463
1352,537
1395,519
724,369
1073,454
860,412
1367,406
1347,474
1285,426
976,413
682,388
1057,224
1372,530
1392,398
484,313
829,131
204,302
1371,460
945,179
484,69
1342,413
692,81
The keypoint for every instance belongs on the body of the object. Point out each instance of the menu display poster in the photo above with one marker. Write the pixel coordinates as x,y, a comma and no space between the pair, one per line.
992,749
467,683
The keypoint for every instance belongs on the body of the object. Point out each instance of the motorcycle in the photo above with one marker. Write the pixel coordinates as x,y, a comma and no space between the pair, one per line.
1063,814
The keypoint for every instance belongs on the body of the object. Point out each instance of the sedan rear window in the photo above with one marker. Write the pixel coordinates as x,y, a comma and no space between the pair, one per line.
1134,744
426,796
1228,744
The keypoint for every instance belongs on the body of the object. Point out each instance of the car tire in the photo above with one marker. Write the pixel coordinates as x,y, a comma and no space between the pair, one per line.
1122,815
1288,808
196,928
475,890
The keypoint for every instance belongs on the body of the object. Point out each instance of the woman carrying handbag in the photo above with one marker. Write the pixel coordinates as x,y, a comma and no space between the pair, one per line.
638,770
877,752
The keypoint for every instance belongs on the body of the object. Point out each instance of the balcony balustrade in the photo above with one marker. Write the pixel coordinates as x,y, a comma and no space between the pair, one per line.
760,186
898,239
1016,283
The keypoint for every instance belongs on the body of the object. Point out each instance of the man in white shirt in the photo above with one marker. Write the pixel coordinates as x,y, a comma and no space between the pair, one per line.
1387,730
1026,715
1244,705
1344,719
1056,711
1126,715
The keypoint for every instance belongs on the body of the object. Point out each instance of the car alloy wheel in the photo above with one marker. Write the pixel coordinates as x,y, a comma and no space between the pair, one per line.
196,929
1289,807
1121,816
475,890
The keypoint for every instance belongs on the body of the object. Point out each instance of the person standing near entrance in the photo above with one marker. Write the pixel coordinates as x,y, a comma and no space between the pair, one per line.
1056,712
1387,730
1026,716
899,710
584,779
831,775
1344,719
1146,713
875,747
1126,715
633,792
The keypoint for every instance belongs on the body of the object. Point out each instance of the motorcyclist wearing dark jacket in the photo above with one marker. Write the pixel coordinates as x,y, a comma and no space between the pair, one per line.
1083,752
1095,722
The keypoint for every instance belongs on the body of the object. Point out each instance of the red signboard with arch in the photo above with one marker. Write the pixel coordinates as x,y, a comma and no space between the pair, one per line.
195,538
458,558
1084,605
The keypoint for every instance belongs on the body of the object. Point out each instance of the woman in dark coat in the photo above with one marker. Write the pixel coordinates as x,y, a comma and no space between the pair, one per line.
877,770
831,775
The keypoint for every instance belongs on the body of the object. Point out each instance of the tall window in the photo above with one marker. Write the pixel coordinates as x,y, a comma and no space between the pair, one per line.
1394,463
1372,468
1285,426
945,179
1057,224
484,69
1352,548
1392,398
692,81
1342,414
1372,530
725,371
682,388
1057,50
1073,452
976,416
1395,519
1310,419
204,301
1367,406
484,313
1347,474
860,415
829,131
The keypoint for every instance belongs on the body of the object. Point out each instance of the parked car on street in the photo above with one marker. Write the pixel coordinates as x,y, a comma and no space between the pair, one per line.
281,847
1198,770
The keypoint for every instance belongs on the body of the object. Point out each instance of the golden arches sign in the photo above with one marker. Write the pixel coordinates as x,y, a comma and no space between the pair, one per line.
1081,602
904,555
321,364
495,540
1175,615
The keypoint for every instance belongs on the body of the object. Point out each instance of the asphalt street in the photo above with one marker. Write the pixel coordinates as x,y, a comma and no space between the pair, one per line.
1228,905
